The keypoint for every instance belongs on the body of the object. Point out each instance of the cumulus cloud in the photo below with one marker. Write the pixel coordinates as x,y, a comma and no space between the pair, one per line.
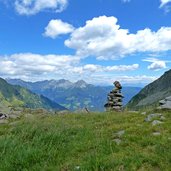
156,64
102,37
165,4
124,79
31,7
30,66
91,68
56,28
34,65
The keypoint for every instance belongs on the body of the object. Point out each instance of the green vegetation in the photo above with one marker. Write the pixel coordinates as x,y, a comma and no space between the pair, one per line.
85,142
17,96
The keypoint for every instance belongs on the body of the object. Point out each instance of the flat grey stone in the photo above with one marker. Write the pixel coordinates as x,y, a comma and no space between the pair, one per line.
12,116
3,116
167,105
162,118
151,116
120,133
156,122
28,116
156,133
3,121
168,98
117,141
143,113
162,102
77,167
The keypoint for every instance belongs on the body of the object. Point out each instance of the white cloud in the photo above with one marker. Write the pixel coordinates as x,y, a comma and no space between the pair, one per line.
103,38
56,28
137,79
30,66
124,79
156,64
91,68
31,7
164,2
34,65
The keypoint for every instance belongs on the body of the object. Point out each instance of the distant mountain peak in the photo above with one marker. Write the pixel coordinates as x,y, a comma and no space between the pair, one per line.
80,84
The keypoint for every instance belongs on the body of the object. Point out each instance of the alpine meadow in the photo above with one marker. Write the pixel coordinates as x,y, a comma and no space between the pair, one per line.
85,85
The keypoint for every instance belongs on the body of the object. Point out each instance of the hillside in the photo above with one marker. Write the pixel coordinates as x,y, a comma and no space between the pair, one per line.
75,95
15,96
93,142
152,93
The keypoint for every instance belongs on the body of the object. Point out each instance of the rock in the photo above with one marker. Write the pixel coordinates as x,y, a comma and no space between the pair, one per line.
162,102
120,133
143,113
117,85
165,103
29,116
63,112
3,121
162,118
168,98
77,167
132,111
156,122
151,116
115,98
117,141
156,133
13,116
3,116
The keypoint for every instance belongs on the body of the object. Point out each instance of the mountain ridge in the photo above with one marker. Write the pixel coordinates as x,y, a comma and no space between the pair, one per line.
15,95
77,95
152,93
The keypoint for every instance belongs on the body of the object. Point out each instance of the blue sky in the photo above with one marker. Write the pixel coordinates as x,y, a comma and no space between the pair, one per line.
99,41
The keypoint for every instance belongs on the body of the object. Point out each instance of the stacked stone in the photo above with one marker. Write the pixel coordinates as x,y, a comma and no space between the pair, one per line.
114,99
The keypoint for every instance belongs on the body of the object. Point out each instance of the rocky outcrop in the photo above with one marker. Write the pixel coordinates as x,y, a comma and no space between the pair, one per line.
165,103
114,99
150,95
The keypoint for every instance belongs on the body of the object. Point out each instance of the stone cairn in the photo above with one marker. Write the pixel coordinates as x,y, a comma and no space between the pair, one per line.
114,99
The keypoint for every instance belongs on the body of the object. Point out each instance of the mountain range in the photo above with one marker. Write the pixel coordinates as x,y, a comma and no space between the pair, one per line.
74,96
17,96
150,95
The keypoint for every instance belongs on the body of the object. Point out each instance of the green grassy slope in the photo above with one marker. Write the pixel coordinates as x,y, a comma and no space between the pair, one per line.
15,96
85,142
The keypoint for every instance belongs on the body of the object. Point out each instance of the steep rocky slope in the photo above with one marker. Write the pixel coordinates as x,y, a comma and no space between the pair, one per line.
152,93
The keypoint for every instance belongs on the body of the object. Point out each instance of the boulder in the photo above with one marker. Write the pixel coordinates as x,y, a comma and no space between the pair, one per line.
3,116
156,122
165,103
150,117
3,121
